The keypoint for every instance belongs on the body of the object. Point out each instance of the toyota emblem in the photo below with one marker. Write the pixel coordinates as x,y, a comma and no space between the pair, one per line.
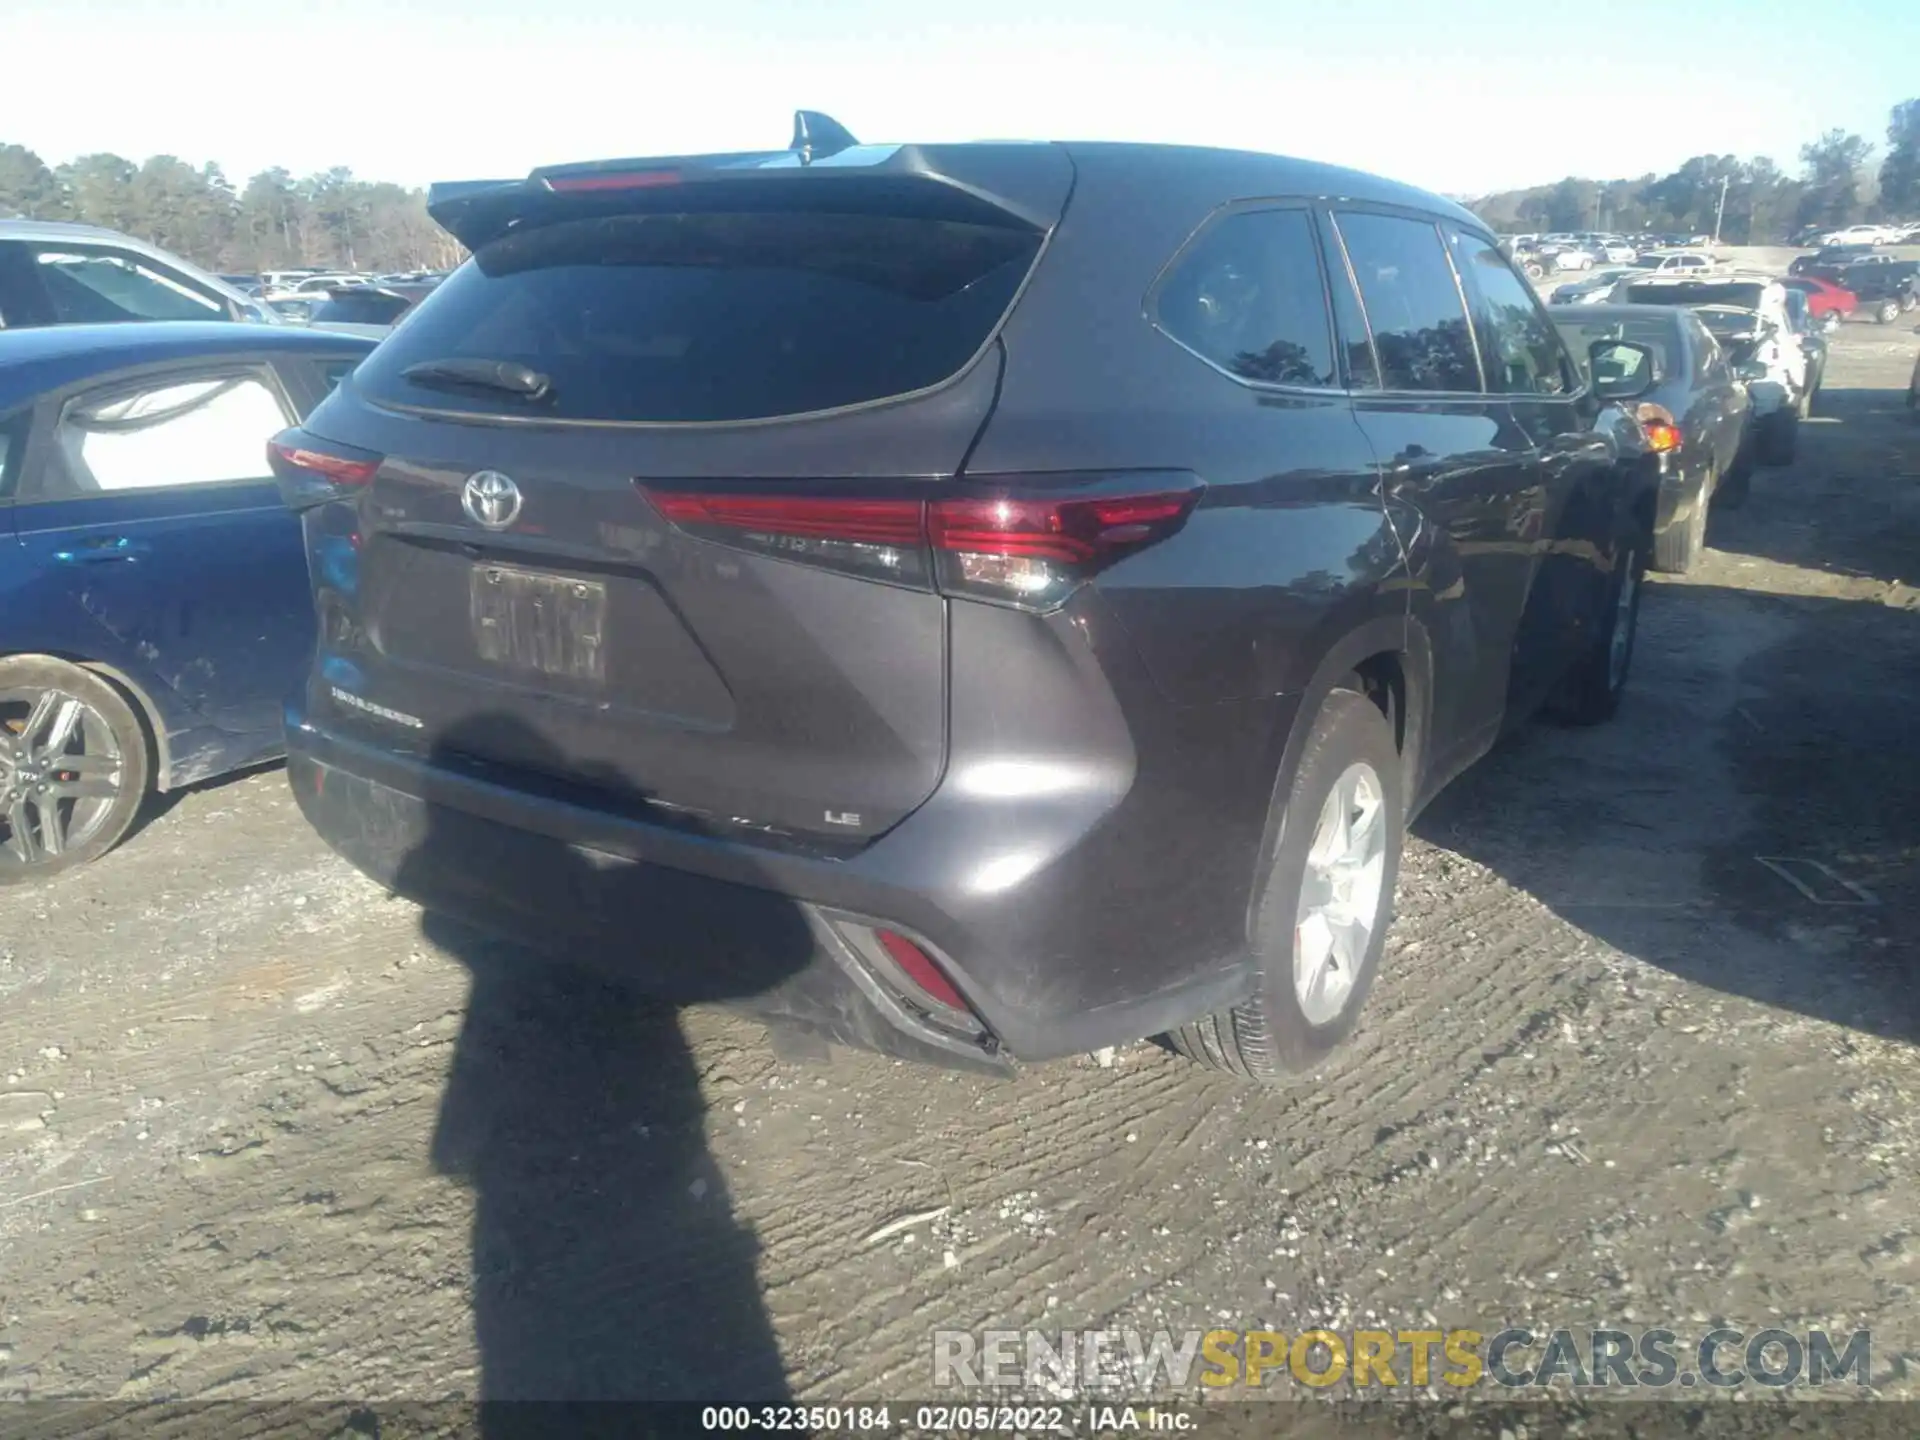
490,499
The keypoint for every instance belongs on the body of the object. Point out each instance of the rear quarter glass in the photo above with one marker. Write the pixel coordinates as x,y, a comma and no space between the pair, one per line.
712,317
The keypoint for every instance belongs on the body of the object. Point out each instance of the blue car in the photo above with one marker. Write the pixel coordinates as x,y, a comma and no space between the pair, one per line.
154,606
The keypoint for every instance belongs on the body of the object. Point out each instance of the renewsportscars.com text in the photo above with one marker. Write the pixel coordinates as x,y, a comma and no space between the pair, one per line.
1137,1362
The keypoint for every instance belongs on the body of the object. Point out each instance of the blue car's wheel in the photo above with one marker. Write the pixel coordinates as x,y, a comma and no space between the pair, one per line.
73,766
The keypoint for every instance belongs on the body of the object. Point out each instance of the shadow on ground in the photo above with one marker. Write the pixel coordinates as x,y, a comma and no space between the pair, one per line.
607,1263
1751,820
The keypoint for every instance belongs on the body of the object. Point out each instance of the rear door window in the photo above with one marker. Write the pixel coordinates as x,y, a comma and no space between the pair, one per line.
1419,323
183,430
1247,296
710,317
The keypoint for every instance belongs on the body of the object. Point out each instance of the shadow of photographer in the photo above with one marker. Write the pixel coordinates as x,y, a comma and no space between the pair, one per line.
607,1262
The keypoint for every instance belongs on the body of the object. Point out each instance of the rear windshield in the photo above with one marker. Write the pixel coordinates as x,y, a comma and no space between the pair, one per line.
1747,297
1654,332
362,307
712,316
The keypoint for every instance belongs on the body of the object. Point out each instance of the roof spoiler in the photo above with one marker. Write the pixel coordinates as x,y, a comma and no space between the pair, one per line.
477,211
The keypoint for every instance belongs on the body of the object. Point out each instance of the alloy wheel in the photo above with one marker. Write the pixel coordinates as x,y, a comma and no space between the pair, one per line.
1340,895
60,774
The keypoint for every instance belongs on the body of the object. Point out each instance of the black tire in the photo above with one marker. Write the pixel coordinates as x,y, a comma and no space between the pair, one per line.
1779,439
98,792
1678,547
1737,487
1269,1035
1887,312
1590,692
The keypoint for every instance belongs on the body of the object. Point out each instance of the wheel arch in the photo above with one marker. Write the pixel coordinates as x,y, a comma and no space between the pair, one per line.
152,725
1391,661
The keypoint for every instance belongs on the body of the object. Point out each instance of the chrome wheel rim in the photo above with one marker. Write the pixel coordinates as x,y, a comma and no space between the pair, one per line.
60,775
1340,894
1620,642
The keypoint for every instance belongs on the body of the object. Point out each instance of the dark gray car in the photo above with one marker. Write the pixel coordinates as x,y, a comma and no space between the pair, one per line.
1700,432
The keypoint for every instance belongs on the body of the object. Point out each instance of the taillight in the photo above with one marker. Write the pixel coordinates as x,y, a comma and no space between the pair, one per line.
1657,424
1037,549
878,537
311,471
1025,541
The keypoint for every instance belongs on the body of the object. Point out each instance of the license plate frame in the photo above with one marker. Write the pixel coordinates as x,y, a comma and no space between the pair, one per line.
538,623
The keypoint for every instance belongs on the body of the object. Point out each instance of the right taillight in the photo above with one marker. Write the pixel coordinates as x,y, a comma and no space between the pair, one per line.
1027,541
1657,424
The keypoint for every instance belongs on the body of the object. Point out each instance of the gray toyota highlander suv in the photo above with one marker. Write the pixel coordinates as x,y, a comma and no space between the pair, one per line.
982,602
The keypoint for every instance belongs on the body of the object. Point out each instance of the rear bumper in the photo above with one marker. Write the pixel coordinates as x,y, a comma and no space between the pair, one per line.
696,918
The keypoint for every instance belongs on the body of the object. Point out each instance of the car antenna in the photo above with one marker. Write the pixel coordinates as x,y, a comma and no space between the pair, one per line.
815,133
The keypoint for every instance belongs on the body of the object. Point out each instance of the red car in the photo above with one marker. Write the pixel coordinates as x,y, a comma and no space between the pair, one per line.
1824,298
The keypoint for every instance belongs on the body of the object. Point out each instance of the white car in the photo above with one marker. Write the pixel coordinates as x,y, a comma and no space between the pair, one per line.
1573,257
1860,235
1672,262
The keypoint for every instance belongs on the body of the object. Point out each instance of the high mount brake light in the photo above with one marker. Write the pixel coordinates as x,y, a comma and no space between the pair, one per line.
1015,541
612,180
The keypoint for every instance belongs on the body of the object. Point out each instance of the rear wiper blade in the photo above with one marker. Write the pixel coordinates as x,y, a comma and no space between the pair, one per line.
505,375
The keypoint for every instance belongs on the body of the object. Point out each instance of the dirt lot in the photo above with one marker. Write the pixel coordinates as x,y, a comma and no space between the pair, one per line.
261,1135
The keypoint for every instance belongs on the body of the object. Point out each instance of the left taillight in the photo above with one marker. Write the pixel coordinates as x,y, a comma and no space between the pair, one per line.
312,471
1021,541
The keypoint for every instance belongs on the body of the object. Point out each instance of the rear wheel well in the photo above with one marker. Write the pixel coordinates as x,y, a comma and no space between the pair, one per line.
1382,679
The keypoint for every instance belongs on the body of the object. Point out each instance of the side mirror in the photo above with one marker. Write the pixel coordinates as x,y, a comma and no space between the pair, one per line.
1621,370
1751,370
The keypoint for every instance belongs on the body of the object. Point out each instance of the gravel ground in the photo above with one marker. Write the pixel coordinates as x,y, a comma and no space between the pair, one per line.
264,1135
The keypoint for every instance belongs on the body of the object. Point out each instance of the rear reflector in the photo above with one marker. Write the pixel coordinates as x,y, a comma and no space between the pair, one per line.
1027,541
918,967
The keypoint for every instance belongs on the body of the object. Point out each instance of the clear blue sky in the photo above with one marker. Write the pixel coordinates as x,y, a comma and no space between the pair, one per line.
1457,95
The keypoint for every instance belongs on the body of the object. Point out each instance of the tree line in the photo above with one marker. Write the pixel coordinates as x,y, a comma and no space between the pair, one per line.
329,221
334,220
1837,185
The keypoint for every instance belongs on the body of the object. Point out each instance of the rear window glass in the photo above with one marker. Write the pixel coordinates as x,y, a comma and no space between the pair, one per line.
1655,333
1248,297
1698,292
712,317
364,307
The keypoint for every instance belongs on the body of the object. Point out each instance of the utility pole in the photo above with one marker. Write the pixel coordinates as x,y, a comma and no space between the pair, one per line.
1720,211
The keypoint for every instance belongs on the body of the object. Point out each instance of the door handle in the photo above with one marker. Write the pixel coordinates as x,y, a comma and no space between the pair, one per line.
103,550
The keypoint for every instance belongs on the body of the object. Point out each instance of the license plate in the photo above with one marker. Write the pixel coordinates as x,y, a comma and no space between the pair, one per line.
538,623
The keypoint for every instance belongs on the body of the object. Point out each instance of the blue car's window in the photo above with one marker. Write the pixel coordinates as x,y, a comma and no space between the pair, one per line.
13,438
204,431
